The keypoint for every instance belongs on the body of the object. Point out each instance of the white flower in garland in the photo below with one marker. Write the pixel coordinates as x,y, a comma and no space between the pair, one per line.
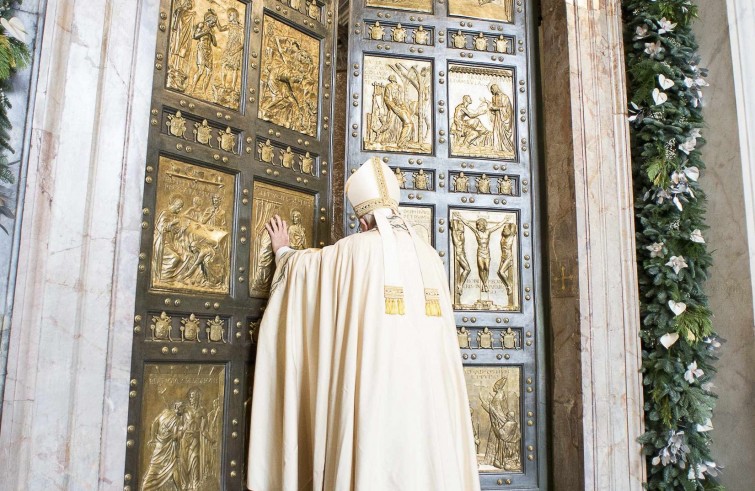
707,426
699,470
692,173
678,263
654,49
641,32
656,249
688,145
665,26
678,203
697,236
661,196
665,83
675,450
708,386
693,373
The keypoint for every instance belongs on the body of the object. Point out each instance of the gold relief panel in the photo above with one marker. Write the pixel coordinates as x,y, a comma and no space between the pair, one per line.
397,105
297,208
495,10
277,154
201,131
482,120
421,220
182,415
192,234
413,5
494,395
206,50
289,78
376,30
484,260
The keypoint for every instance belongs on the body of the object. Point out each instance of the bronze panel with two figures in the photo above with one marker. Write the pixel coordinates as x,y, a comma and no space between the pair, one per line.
484,265
397,105
290,77
182,438
297,209
481,126
206,50
193,228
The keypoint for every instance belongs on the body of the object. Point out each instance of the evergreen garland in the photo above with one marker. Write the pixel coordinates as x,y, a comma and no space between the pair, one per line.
678,340
14,55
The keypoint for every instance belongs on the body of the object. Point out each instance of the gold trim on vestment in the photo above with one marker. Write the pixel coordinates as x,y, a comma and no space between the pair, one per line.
432,302
394,300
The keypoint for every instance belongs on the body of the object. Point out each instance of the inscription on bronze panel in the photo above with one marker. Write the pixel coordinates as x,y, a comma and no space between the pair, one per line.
290,77
413,5
181,440
494,395
397,110
495,10
194,214
206,50
297,209
421,220
484,265
482,114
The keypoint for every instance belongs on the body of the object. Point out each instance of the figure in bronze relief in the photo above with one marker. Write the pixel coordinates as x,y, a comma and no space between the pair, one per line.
296,232
461,263
165,435
401,178
461,183
194,440
496,407
398,34
421,35
421,180
306,164
459,40
182,25
481,42
232,58
463,337
502,115
265,151
176,125
502,44
467,127
506,269
482,231
204,34
394,101
376,32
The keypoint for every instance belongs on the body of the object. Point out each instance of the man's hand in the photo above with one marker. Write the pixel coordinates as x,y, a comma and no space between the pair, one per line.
278,230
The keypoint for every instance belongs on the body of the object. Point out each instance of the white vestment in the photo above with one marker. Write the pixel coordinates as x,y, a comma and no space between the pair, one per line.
347,397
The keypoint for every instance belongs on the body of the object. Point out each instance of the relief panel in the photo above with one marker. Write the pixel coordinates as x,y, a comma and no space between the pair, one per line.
477,183
206,50
397,111
181,438
479,41
376,30
494,405
484,260
280,155
489,338
495,10
201,131
420,180
421,220
297,209
481,126
412,5
290,77
192,232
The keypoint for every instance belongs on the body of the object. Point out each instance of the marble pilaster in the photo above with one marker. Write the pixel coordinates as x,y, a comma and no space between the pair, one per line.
64,418
597,401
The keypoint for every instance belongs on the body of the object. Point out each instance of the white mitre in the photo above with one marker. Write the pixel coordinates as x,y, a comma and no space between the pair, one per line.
373,188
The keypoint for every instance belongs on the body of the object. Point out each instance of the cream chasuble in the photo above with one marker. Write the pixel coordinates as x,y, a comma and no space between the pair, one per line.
349,397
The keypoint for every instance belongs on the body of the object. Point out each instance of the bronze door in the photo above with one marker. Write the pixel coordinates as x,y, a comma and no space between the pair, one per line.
240,130
443,92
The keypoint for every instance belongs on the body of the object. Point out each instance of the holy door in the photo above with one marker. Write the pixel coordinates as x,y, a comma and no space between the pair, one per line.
442,91
240,131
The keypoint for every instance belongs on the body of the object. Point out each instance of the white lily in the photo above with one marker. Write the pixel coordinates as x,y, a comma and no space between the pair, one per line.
656,249
693,373
654,49
665,26
678,263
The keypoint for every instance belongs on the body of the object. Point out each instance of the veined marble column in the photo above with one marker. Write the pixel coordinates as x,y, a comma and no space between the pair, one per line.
64,418
597,390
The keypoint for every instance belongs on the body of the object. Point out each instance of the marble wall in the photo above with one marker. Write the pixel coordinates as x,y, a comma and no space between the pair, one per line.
730,283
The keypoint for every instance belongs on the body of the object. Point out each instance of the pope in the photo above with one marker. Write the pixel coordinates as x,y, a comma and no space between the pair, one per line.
358,380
